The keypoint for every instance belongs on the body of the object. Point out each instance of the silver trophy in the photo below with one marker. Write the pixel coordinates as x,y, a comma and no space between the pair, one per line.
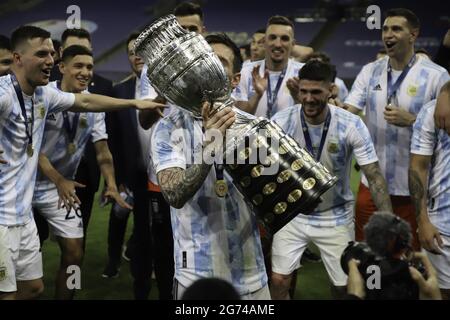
183,68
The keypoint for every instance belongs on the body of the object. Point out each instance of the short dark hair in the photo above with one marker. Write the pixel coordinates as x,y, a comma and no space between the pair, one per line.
280,20
132,37
24,33
75,50
188,9
262,30
225,40
319,55
211,289
78,33
5,43
316,70
410,16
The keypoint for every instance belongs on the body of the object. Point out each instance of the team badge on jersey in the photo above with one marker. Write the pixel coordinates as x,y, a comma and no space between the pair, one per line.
333,146
40,110
412,90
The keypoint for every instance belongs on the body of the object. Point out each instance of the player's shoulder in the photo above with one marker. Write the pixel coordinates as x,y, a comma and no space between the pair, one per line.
343,115
5,84
428,109
287,113
430,66
177,118
379,64
248,67
296,65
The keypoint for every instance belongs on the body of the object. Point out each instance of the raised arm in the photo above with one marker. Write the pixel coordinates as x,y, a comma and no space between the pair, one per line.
260,85
99,103
179,185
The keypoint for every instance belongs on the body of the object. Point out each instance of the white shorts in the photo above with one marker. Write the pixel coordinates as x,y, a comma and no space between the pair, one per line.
442,263
62,224
20,255
290,242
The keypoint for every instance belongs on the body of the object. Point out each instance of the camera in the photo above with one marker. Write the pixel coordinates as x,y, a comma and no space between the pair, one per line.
384,264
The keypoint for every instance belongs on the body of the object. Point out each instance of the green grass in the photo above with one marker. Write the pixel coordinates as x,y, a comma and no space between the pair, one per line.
312,280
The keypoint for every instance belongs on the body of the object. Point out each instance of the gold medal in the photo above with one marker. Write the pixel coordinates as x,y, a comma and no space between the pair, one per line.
221,188
71,148
30,150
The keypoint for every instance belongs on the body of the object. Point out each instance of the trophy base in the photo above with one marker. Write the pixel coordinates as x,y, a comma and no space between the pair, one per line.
277,177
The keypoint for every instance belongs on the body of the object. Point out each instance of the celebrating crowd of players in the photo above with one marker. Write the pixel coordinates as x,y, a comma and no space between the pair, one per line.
53,132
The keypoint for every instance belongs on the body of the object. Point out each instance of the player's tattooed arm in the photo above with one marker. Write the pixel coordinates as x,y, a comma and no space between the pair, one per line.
429,236
179,185
418,177
377,186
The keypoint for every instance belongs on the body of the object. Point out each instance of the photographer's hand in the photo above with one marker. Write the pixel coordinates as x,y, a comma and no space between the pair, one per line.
355,283
429,288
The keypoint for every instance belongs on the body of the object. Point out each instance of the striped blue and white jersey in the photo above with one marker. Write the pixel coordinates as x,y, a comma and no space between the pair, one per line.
427,140
213,237
343,91
146,89
56,141
392,143
17,178
244,91
347,136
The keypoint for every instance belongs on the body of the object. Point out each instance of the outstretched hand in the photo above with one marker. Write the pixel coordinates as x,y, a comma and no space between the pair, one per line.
67,195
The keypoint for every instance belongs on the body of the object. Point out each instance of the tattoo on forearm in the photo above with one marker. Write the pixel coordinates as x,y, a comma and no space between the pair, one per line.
178,185
417,190
377,186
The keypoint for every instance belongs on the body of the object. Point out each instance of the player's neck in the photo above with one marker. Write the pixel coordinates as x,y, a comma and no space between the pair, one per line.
66,87
319,119
24,84
400,63
276,66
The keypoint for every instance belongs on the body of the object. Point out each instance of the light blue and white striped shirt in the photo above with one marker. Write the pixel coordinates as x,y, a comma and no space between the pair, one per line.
392,143
347,136
56,140
244,91
213,237
427,140
17,178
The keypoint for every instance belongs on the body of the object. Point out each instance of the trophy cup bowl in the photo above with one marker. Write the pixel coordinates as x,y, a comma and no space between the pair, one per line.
277,177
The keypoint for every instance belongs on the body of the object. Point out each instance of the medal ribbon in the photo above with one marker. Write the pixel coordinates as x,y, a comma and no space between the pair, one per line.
272,98
18,91
392,88
308,138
